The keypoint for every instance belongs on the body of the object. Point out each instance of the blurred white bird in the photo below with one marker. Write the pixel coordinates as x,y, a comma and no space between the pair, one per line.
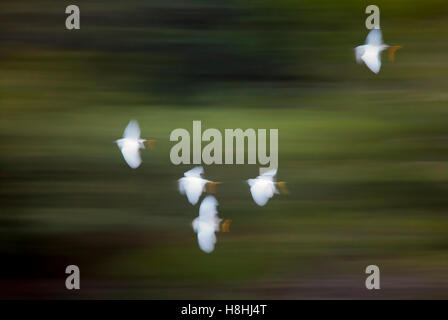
207,224
263,187
193,184
370,52
131,144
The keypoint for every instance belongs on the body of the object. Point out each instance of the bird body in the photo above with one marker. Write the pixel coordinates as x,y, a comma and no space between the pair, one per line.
193,184
263,187
207,223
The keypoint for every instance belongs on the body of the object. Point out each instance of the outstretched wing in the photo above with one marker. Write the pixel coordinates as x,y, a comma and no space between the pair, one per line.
251,182
131,155
359,51
195,172
208,210
375,37
132,131
192,187
181,184
269,174
372,61
206,241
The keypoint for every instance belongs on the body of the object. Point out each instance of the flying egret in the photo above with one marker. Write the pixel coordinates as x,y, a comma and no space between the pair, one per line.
131,144
263,187
192,184
207,224
370,52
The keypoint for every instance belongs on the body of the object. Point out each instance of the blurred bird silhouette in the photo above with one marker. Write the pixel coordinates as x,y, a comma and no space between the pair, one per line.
131,144
207,224
192,184
370,52
263,187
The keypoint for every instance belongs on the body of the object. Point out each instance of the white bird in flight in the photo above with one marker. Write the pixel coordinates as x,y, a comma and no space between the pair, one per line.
131,144
370,52
263,187
192,184
207,224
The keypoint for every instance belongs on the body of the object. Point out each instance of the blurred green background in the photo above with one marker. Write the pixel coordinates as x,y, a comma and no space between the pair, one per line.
365,156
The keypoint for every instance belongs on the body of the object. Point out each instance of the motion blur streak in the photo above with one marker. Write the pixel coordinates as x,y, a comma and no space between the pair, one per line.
365,156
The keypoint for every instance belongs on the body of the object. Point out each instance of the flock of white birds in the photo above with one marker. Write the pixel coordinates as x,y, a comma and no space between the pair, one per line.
192,184
262,187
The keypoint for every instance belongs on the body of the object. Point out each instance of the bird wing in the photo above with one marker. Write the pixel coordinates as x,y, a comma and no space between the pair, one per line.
359,51
206,241
131,155
195,225
251,182
195,172
181,184
269,174
193,189
132,131
375,37
372,60
208,210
